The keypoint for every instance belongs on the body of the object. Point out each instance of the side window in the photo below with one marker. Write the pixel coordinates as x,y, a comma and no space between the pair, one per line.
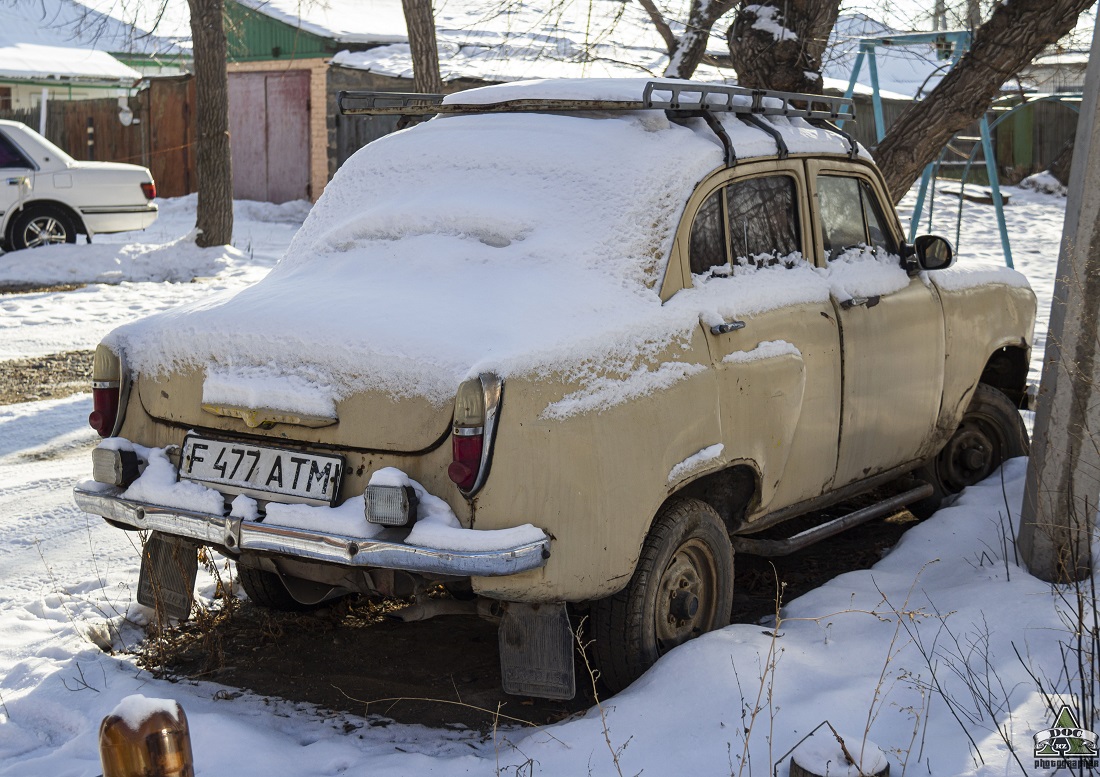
708,237
754,222
763,220
850,216
876,222
10,156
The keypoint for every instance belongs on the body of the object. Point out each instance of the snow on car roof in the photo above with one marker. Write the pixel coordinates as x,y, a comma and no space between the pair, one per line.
505,242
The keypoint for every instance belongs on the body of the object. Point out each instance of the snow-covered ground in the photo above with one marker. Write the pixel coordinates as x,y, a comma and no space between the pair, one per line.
876,653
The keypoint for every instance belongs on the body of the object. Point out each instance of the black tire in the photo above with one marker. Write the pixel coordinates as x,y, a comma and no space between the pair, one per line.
681,588
266,589
39,225
990,432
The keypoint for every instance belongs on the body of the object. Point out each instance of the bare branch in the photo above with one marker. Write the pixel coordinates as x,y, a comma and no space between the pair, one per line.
659,22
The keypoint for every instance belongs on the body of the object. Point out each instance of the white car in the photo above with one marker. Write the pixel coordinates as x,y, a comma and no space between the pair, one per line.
46,196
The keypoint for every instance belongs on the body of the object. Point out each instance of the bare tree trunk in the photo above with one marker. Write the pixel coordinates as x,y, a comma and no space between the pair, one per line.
1063,476
692,45
1015,34
1063,163
973,15
778,44
425,52
212,161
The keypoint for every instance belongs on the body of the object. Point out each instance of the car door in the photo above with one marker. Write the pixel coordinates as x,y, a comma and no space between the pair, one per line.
891,324
775,351
16,175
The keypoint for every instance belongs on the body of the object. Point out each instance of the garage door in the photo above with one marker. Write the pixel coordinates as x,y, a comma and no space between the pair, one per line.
269,135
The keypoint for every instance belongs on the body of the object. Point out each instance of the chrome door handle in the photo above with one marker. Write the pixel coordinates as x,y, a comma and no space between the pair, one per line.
727,327
868,302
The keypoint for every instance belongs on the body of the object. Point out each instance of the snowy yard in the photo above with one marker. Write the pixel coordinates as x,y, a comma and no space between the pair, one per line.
931,654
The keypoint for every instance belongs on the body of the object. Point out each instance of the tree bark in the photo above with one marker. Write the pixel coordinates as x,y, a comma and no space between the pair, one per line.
788,60
420,25
213,167
1014,35
1063,475
692,45
1063,163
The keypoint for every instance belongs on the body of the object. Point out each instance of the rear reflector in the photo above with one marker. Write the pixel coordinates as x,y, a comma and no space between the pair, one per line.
149,190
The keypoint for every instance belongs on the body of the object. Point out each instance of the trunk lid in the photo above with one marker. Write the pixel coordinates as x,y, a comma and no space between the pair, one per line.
278,408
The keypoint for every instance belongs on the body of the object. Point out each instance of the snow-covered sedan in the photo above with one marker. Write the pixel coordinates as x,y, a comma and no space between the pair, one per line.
565,347
47,197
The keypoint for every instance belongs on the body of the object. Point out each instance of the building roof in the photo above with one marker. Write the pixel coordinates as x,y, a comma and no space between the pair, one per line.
61,39
70,24
33,61
492,41
903,71
344,21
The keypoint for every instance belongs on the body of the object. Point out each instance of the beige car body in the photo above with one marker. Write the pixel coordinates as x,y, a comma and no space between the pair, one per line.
798,430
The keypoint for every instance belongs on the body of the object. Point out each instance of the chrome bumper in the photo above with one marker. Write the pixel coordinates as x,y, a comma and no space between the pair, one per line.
238,535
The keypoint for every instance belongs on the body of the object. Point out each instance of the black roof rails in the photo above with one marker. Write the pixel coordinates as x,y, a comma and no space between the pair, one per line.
656,95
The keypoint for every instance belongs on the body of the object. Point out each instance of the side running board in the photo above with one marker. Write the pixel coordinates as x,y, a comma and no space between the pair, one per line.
836,526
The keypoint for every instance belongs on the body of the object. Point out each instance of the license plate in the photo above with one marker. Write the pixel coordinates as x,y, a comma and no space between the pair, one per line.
259,471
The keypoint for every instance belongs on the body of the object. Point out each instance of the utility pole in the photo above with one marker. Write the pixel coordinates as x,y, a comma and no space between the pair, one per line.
1063,475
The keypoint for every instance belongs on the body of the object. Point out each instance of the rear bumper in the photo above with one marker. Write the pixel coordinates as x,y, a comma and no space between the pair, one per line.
238,535
102,221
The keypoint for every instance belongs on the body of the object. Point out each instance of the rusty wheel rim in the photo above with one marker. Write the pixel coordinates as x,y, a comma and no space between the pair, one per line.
686,595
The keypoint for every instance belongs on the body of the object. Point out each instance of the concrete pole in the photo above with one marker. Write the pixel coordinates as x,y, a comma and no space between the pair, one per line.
42,111
1063,475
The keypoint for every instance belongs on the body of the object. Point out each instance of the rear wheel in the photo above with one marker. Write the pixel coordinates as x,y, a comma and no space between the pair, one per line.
39,225
991,431
681,588
267,589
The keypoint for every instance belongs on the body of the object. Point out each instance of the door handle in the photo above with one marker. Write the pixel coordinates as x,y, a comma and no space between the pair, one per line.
868,302
17,181
726,327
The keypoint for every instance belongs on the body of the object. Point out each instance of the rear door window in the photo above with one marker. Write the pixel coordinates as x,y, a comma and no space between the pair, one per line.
752,222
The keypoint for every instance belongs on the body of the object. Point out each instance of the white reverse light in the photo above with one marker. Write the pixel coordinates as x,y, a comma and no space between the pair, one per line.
391,505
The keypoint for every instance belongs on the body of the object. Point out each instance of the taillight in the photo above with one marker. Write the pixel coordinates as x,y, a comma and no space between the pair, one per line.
149,190
476,406
106,390
467,457
468,434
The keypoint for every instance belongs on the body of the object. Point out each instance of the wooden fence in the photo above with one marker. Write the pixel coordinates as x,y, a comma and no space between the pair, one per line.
161,136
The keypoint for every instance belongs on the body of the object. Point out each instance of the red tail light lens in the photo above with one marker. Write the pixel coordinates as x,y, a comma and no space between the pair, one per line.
467,459
149,190
477,405
104,408
106,390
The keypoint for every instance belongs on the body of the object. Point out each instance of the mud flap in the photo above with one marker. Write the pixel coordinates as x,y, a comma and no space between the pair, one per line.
536,651
167,579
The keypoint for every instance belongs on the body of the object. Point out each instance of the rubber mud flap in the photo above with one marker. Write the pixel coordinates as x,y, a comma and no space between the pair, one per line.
167,579
536,651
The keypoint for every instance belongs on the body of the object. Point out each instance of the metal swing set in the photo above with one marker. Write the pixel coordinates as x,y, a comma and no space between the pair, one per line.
959,42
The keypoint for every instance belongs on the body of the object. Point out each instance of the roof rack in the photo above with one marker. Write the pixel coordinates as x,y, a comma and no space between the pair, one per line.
657,95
